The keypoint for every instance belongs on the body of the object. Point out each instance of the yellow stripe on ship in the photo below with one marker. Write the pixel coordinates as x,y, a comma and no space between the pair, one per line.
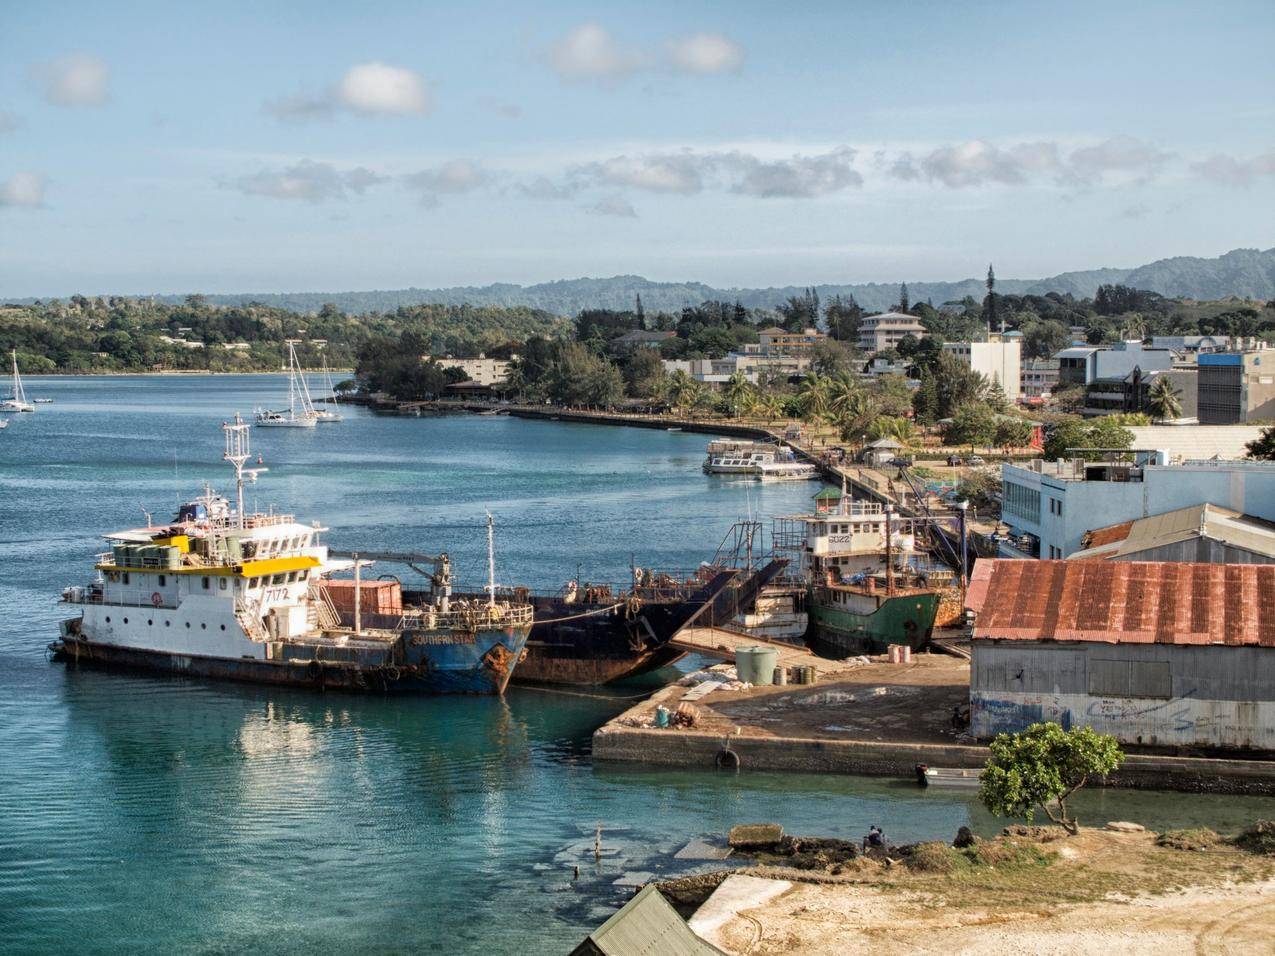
249,569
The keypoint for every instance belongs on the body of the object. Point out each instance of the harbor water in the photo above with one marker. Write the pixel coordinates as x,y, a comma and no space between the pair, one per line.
160,814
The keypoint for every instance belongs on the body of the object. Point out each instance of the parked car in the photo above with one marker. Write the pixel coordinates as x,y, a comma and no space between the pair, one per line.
975,460
902,462
955,461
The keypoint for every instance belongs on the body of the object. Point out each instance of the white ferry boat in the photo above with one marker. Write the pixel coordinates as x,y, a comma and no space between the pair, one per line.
735,457
789,470
219,592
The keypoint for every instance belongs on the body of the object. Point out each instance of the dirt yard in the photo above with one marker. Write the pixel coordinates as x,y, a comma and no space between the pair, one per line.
1099,892
876,701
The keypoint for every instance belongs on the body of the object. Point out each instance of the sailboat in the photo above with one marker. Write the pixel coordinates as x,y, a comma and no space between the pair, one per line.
300,412
328,414
17,402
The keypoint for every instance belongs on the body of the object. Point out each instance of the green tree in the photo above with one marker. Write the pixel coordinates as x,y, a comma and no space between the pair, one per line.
1012,432
684,391
739,394
1065,437
887,426
1042,768
1262,447
770,406
644,375
830,357
1162,400
973,424
812,397
1043,339
949,385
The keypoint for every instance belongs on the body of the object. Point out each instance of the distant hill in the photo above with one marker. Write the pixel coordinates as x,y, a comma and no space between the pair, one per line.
1248,273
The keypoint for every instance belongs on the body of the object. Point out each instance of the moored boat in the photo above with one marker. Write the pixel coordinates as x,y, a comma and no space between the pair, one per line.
867,587
300,412
17,400
221,593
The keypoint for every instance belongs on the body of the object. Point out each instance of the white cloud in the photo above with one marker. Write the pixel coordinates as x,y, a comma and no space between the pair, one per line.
590,52
451,178
1120,155
542,187
1230,171
378,88
309,181
8,122
688,172
75,80
978,163
801,177
613,206
662,173
371,89
23,189
705,53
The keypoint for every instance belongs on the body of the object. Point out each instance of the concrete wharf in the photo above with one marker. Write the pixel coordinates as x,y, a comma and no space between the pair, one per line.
722,644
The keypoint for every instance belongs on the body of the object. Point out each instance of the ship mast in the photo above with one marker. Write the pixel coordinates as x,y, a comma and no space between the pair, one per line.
237,454
491,561
889,559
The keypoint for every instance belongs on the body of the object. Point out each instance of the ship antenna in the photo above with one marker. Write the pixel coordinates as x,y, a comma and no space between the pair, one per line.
491,561
237,453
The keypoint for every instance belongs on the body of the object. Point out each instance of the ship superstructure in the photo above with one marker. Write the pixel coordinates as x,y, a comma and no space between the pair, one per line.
867,585
225,593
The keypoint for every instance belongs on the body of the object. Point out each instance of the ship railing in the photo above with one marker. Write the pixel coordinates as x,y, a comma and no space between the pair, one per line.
461,616
325,610
94,595
249,617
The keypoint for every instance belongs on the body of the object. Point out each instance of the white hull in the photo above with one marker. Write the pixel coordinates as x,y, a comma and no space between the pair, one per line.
11,406
288,423
326,417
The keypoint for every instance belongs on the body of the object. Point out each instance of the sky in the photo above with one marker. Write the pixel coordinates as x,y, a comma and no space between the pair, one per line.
272,147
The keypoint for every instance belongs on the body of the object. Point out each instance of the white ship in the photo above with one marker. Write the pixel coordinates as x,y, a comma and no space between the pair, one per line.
735,457
17,401
328,414
300,411
219,592
790,470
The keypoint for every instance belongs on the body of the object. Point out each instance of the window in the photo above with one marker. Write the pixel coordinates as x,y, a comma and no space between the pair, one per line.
163,579
126,577
207,582
221,583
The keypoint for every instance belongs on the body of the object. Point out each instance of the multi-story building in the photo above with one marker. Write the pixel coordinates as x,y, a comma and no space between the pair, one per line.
1050,505
1038,378
999,360
1132,393
1237,387
481,370
1081,364
880,332
753,365
777,341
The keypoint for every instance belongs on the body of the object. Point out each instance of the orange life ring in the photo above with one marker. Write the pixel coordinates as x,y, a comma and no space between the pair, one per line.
157,599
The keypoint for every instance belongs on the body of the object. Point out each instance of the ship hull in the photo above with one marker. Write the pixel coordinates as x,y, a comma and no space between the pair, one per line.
482,665
906,619
587,644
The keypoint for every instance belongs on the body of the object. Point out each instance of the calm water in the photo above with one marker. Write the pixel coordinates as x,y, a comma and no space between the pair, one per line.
160,814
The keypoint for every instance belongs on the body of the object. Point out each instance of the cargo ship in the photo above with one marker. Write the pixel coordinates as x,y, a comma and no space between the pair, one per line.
589,634
222,593
867,586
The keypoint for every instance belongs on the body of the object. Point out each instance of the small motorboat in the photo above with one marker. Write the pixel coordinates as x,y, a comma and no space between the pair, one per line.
967,778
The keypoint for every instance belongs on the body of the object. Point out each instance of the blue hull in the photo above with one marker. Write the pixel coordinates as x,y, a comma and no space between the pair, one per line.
479,663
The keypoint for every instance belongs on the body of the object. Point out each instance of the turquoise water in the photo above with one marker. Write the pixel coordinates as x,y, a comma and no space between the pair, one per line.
155,814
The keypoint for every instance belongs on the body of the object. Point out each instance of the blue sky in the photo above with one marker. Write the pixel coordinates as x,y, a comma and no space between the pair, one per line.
168,147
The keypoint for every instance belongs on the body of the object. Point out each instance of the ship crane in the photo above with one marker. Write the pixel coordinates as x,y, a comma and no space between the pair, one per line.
440,578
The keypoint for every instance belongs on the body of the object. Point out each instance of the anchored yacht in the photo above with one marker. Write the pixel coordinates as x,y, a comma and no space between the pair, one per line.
17,401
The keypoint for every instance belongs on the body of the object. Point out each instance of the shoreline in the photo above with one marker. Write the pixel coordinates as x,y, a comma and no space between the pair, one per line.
176,373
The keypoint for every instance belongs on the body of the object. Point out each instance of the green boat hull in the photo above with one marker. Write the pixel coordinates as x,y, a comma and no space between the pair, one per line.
904,619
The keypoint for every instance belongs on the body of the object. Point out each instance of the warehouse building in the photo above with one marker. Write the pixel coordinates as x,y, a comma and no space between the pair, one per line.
1155,653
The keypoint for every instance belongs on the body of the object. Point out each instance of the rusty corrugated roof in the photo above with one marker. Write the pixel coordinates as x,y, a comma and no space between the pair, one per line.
1108,535
1124,602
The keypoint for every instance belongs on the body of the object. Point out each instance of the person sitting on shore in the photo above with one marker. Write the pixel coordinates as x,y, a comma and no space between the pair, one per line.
875,837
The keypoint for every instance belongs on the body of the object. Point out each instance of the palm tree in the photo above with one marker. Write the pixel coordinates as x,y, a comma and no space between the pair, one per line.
683,390
843,392
739,394
812,397
886,426
771,406
1162,401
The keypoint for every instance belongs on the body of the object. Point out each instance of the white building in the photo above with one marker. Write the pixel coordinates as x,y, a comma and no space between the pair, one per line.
752,365
999,360
1081,364
880,332
1038,378
1057,502
481,370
